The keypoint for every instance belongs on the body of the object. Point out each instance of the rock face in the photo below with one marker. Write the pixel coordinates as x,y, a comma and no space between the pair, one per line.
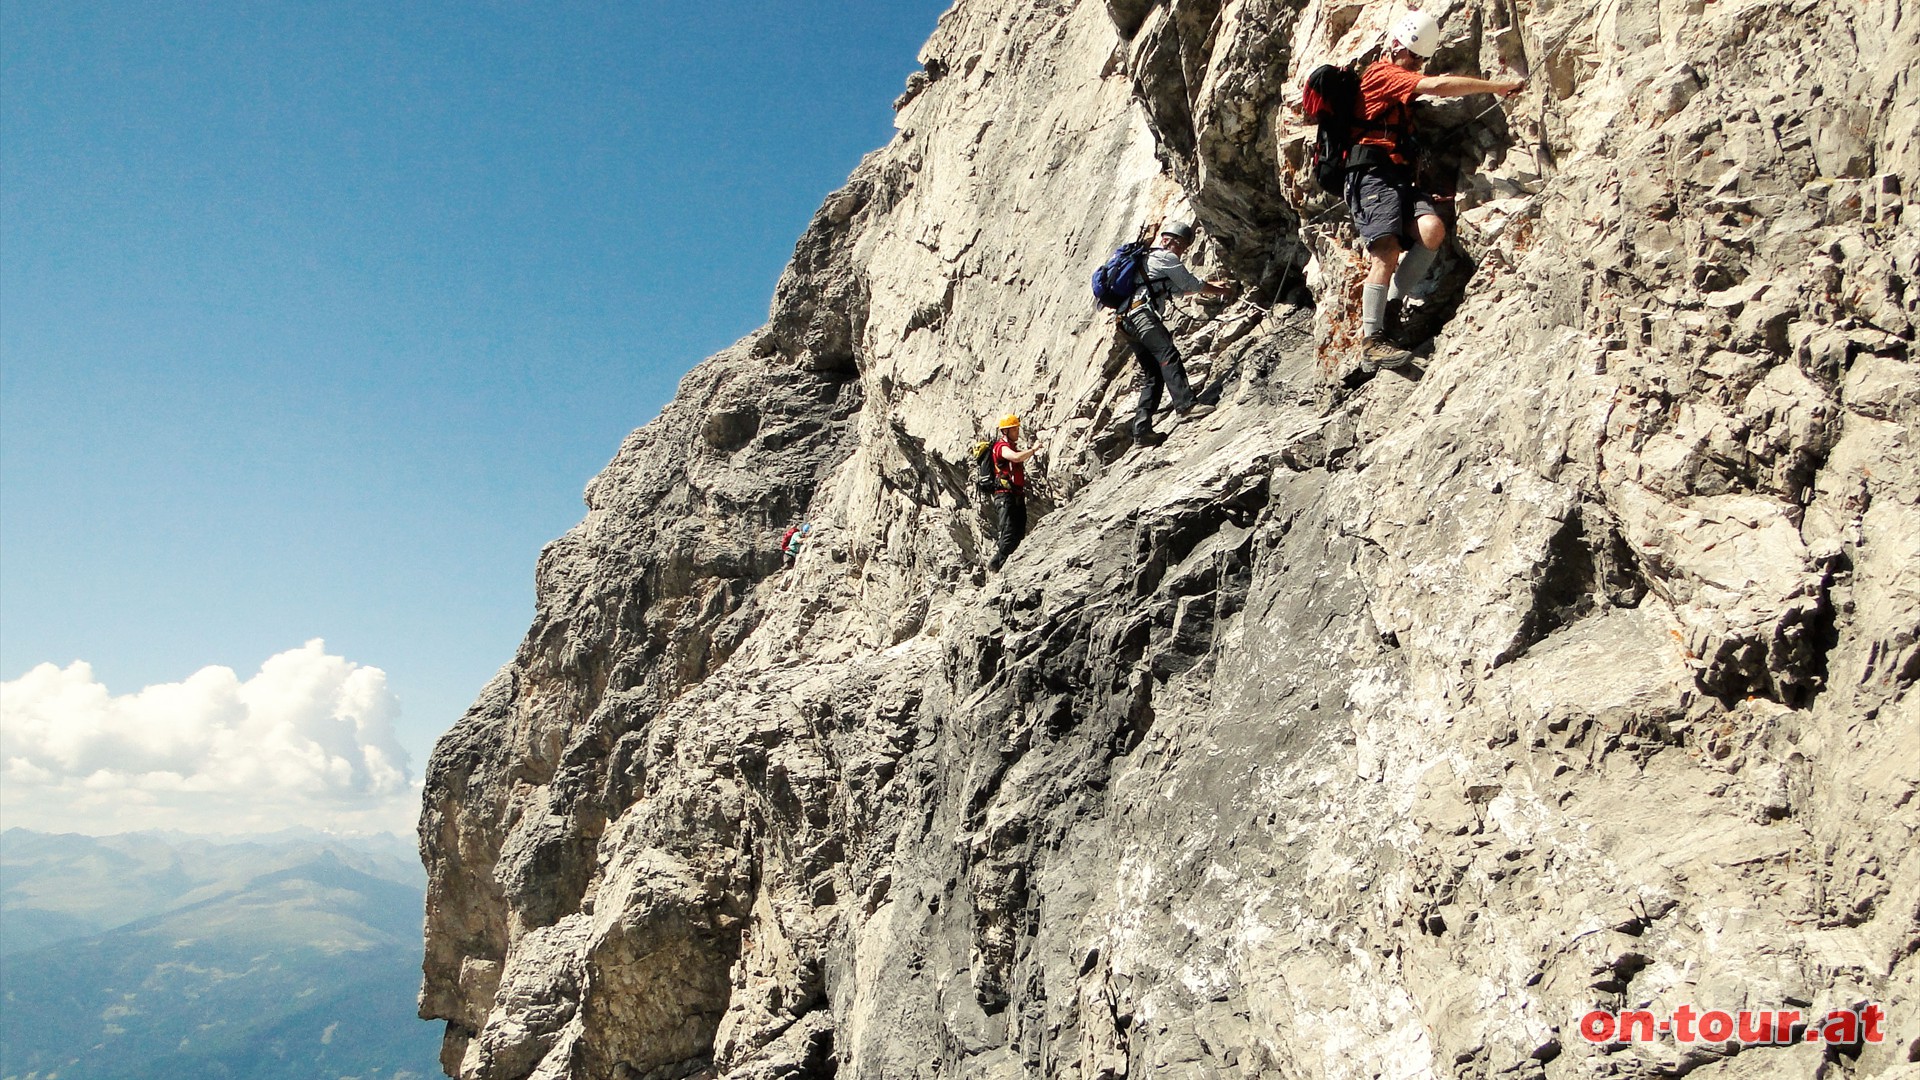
1365,728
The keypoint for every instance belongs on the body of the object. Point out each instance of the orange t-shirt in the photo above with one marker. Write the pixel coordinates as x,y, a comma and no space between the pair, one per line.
1387,91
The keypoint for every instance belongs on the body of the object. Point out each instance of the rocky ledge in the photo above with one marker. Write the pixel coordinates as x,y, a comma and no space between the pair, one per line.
1368,727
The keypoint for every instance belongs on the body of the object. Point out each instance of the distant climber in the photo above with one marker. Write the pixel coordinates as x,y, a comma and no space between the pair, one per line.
790,542
1393,215
1009,487
1162,274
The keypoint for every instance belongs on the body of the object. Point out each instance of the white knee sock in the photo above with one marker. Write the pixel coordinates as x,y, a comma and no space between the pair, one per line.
1413,268
1373,309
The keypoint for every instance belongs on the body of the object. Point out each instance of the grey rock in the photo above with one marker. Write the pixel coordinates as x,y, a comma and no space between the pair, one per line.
1366,727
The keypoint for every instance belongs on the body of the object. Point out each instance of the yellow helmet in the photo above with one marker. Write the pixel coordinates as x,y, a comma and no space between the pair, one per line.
1009,420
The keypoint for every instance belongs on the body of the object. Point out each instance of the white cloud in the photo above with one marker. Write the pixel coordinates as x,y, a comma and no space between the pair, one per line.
307,741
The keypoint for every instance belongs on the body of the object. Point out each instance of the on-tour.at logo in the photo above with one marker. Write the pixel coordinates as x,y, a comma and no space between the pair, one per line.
1748,1027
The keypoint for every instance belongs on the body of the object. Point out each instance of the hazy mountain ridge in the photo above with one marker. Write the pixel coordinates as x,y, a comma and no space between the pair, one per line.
55,886
245,960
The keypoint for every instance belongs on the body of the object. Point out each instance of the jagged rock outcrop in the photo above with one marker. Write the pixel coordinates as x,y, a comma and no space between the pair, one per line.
1364,729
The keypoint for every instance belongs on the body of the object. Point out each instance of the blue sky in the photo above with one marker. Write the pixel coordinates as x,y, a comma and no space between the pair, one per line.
315,318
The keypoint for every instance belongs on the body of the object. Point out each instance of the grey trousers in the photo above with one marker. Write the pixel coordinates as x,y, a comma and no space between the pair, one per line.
1159,365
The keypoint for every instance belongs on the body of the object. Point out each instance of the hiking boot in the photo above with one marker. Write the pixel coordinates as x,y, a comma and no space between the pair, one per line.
1418,323
1378,354
1151,438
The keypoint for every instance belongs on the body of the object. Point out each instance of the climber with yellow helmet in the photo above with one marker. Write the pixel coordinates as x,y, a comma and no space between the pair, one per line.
1396,220
1010,487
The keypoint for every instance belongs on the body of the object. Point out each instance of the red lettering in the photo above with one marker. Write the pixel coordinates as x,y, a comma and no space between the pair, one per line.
1783,1022
1870,1017
1757,1028
1753,1027
1683,1024
1842,1026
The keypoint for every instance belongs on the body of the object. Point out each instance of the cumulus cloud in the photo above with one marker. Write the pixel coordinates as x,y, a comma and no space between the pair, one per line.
307,741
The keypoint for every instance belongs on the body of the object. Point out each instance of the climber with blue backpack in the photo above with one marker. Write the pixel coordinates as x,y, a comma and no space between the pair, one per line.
1136,281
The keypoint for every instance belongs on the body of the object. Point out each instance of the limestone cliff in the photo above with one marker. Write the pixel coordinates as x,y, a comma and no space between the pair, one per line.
1367,728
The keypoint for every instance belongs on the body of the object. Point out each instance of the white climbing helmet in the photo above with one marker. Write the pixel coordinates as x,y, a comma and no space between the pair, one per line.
1418,33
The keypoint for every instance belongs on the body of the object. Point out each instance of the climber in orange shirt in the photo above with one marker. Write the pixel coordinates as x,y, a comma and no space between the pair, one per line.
1396,220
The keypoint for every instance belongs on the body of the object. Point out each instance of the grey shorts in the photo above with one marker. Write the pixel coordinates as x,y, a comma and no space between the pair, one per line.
1383,204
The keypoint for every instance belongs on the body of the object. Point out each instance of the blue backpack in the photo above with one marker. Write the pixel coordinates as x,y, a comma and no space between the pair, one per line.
1122,273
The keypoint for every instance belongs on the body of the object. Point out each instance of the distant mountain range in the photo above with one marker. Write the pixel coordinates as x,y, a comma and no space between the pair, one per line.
153,956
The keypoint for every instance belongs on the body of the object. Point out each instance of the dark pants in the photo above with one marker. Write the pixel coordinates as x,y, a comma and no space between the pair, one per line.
1012,508
1384,202
1159,364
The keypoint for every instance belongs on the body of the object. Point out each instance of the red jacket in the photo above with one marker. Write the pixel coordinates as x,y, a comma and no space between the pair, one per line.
1012,474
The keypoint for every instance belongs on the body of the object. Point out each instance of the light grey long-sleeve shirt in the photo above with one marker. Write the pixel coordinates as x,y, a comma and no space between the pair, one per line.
1166,276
